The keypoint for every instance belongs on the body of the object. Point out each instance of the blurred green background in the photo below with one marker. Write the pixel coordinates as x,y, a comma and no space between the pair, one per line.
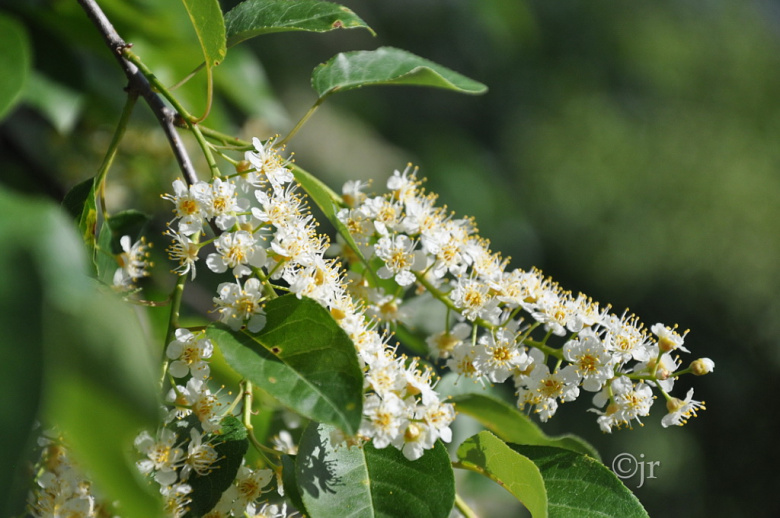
630,150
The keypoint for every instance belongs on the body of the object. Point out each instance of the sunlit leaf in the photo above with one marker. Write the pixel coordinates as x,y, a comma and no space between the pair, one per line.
579,486
206,17
255,17
387,66
302,358
14,62
487,454
368,482
511,425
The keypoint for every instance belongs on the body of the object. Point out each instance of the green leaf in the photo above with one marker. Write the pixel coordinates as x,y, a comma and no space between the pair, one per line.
99,374
206,17
387,66
490,456
127,223
207,489
511,425
255,17
80,203
21,370
579,486
302,358
290,482
14,62
58,103
366,482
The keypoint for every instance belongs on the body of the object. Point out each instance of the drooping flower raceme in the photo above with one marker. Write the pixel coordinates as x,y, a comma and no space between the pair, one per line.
424,248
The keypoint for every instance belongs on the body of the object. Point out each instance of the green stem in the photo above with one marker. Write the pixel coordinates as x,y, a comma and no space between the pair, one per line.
205,147
261,449
113,147
444,299
546,349
173,319
189,120
301,122
464,508
224,138
156,84
187,77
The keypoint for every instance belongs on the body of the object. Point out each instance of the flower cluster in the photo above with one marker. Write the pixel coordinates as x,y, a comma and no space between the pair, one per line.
497,310
61,489
187,444
267,239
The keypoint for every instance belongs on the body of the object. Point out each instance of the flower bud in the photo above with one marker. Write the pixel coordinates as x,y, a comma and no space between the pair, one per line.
243,166
702,366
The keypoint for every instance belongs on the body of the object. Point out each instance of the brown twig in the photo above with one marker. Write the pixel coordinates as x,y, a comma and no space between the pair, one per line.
139,83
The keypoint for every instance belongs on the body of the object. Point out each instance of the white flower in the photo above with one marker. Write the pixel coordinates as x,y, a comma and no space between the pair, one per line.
163,457
474,298
442,344
418,437
680,411
283,209
176,499
184,251
386,308
663,368
385,375
319,279
248,487
196,398
133,263
629,402
270,511
591,360
384,418
385,214
626,338
400,257
238,304
268,165
190,205
188,353
543,389
221,203
499,356
668,338
352,192
237,250
438,416
403,184
201,456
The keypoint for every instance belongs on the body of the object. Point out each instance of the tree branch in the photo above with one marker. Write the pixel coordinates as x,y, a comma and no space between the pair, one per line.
138,82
